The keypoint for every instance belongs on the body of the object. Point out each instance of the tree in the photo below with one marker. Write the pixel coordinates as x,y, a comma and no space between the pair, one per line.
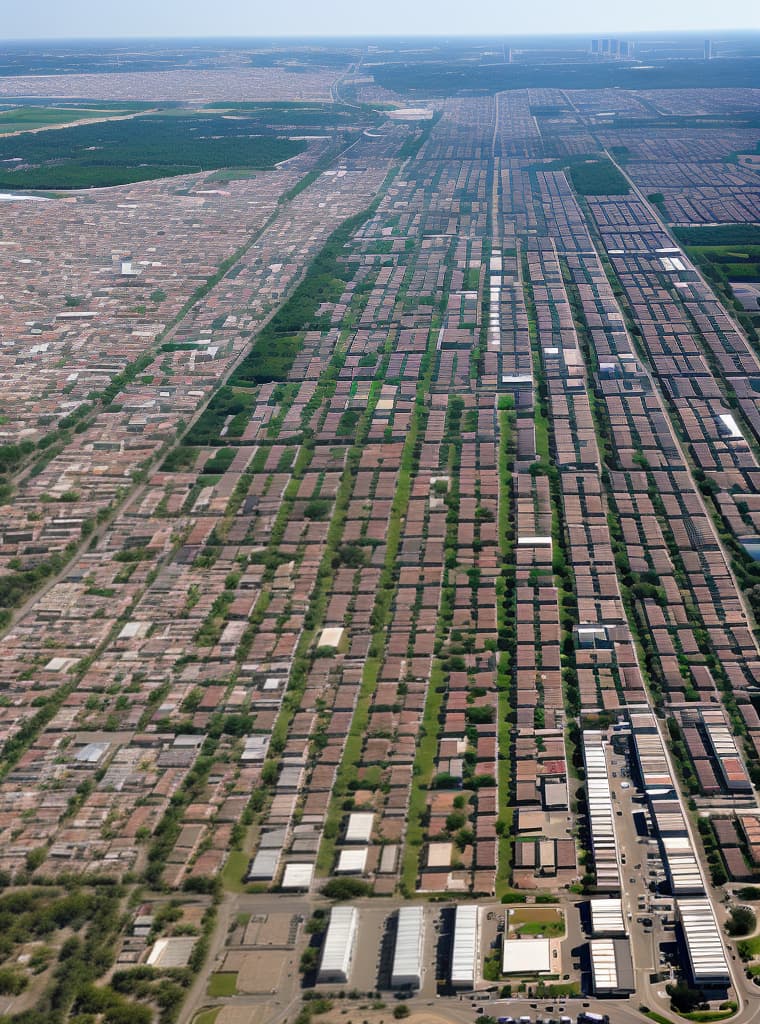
346,888
12,982
683,998
308,960
741,921
455,821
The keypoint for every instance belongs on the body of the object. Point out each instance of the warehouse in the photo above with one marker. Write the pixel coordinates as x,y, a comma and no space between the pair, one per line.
352,862
359,828
652,762
465,952
297,877
526,956
682,867
600,813
338,949
407,956
611,967
668,818
703,942
606,918
264,866
727,756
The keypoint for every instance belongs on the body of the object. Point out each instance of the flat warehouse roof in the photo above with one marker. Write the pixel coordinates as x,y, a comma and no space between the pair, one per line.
407,955
465,945
526,956
339,942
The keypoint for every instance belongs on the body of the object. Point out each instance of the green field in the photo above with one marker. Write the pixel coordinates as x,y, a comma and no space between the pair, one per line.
223,983
20,119
302,115
546,921
735,263
598,178
719,235
141,149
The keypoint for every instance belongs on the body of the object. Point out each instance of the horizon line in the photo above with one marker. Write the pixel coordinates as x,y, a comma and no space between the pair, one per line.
390,37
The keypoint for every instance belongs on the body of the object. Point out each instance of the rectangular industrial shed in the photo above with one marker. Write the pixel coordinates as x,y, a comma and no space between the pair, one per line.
611,967
264,866
359,827
601,815
465,952
338,949
407,956
606,917
704,943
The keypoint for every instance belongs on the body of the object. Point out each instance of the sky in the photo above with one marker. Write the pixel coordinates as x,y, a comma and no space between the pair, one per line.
61,19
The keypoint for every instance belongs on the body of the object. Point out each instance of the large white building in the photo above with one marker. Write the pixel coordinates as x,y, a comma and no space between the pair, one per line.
338,949
704,943
465,953
407,956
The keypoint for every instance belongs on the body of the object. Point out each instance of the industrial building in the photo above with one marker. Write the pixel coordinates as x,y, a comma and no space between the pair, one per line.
656,779
600,812
606,918
264,866
407,955
297,877
338,949
683,871
465,952
727,756
704,943
352,862
526,956
611,967
359,828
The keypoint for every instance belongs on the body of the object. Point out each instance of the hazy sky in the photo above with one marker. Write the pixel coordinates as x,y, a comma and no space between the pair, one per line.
48,19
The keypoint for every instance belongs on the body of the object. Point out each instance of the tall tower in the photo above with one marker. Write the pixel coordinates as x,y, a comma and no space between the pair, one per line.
708,49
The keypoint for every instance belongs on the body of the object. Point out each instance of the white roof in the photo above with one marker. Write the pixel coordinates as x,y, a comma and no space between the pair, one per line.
465,945
339,942
352,862
603,965
359,828
407,956
704,942
607,917
171,952
297,876
729,423
526,956
331,637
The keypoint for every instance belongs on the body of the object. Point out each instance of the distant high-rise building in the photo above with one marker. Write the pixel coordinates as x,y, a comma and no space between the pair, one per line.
605,45
595,46
708,49
624,48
